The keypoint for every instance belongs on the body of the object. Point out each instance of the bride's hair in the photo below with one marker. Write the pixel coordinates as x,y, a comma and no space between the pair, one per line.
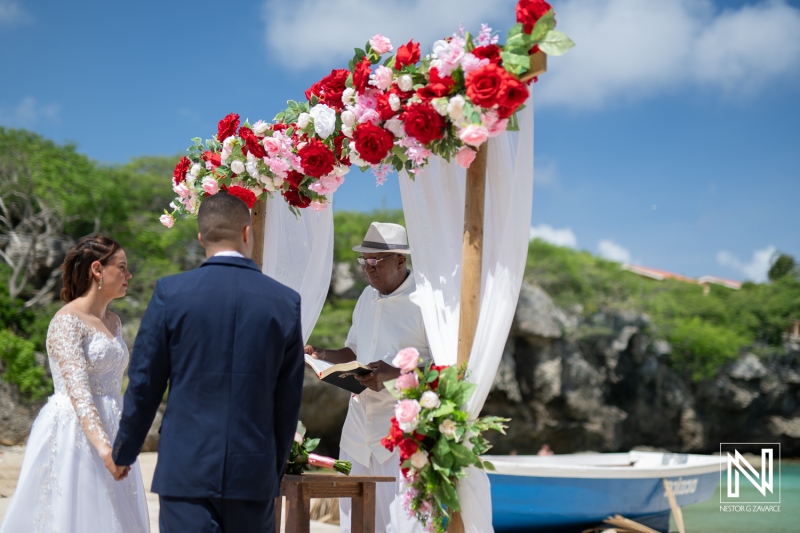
76,268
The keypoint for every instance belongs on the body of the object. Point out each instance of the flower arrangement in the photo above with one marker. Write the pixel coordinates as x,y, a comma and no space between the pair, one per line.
384,112
436,439
300,457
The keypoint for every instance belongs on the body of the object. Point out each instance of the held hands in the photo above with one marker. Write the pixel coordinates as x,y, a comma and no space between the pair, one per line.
381,372
117,472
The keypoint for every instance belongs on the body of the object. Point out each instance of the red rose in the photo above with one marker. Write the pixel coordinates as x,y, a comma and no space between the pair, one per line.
422,122
407,448
437,87
394,438
280,126
294,178
435,382
252,142
179,174
317,159
529,11
227,127
372,142
330,88
361,75
490,52
487,85
516,94
403,95
213,158
246,195
295,198
407,54
383,107
338,141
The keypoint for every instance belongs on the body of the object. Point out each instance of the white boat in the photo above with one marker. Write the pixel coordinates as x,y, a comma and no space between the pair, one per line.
571,491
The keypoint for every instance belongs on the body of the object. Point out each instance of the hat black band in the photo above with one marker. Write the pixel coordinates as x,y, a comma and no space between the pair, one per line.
384,246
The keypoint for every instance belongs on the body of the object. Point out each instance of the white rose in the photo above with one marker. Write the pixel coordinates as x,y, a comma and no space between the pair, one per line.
405,82
341,170
448,428
395,125
347,95
419,459
347,131
394,102
456,107
324,120
252,169
356,160
191,179
260,127
441,48
172,205
268,183
430,400
196,169
440,105
348,118
258,191
278,181
237,167
302,120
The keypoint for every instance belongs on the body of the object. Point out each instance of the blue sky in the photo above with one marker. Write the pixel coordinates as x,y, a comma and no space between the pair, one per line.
669,137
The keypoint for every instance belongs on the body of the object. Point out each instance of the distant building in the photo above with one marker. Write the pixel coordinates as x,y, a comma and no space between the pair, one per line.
661,275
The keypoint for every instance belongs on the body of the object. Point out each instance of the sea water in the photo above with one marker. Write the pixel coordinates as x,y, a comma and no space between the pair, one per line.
712,517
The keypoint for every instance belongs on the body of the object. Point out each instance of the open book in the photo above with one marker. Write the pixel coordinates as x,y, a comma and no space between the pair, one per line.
341,375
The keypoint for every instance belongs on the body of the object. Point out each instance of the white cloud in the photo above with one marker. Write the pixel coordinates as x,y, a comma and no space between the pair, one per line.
613,252
322,33
11,12
558,236
29,113
632,49
545,173
756,270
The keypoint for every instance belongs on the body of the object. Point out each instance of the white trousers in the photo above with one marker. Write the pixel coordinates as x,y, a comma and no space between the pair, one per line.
390,516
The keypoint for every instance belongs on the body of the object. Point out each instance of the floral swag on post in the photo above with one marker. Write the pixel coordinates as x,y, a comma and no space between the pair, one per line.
383,114
435,438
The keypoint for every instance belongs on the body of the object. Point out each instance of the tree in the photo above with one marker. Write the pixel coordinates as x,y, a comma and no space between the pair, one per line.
783,265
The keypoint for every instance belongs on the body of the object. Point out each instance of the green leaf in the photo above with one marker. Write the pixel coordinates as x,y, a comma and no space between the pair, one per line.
515,63
542,26
445,409
555,43
519,43
449,496
462,455
311,444
441,449
488,466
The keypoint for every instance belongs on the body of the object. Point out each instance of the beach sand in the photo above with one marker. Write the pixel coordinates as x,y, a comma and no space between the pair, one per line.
11,462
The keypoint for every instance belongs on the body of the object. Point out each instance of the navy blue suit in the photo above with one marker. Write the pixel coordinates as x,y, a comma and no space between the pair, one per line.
228,342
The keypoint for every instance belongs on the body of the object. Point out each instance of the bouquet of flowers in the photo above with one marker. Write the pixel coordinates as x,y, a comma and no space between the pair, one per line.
436,439
384,112
300,457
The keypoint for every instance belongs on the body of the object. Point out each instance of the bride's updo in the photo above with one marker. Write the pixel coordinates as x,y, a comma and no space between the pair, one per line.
76,268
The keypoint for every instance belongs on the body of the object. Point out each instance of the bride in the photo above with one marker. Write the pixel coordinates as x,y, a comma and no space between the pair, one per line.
67,482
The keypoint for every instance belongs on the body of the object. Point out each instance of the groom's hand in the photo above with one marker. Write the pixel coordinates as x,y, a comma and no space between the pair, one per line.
117,472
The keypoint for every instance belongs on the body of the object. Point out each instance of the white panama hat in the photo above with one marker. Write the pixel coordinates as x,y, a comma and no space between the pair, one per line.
384,237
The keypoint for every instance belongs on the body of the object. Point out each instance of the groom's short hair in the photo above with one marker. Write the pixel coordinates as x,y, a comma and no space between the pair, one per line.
222,217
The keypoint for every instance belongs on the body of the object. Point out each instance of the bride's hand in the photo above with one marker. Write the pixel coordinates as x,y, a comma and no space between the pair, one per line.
117,472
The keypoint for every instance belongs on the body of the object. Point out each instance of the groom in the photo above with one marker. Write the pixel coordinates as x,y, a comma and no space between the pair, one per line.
227,340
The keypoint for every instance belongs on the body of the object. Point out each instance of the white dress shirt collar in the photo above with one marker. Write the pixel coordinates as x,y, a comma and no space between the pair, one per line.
228,253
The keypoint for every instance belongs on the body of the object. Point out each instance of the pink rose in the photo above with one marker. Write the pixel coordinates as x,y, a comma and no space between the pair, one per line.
465,157
406,381
210,185
316,205
406,412
380,44
382,78
474,135
273,145
167,220
406,359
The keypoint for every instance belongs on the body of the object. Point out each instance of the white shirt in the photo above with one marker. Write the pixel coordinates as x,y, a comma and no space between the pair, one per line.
228,253
382,326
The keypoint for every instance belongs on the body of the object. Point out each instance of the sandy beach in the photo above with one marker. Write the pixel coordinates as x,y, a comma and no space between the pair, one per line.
11,462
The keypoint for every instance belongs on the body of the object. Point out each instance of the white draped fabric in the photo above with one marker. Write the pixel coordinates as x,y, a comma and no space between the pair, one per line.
298,252
434,211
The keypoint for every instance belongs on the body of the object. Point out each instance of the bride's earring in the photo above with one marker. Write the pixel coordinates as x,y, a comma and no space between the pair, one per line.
100,284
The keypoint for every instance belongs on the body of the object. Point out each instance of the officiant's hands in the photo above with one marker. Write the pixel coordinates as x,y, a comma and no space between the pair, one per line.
117,472
381,372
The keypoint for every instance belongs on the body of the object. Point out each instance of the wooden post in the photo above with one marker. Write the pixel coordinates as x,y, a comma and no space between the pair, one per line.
258,218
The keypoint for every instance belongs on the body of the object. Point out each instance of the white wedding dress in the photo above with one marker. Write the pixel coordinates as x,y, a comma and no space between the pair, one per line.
64,486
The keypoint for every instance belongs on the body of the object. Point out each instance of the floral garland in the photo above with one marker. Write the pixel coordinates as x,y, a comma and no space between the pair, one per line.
436,439
385,112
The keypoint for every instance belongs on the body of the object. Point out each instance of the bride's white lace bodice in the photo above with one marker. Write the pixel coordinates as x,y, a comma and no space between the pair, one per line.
85,363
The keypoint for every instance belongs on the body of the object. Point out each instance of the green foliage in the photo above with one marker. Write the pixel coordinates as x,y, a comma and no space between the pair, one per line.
784,265
18,356
350,228
700,347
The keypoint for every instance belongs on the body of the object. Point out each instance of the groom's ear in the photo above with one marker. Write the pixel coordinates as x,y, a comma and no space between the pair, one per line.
200,240
247,234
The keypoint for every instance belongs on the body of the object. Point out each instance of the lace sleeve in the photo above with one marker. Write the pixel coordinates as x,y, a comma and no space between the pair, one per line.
64,343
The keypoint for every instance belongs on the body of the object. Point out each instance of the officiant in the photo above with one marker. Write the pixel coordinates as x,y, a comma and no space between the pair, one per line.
385,320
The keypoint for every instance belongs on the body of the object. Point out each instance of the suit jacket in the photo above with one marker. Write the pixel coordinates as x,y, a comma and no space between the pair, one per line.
228,342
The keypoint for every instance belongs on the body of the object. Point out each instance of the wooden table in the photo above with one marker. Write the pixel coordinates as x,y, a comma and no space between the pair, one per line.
299,490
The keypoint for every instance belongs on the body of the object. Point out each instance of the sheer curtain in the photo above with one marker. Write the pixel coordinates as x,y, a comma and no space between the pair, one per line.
298,252
434,210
